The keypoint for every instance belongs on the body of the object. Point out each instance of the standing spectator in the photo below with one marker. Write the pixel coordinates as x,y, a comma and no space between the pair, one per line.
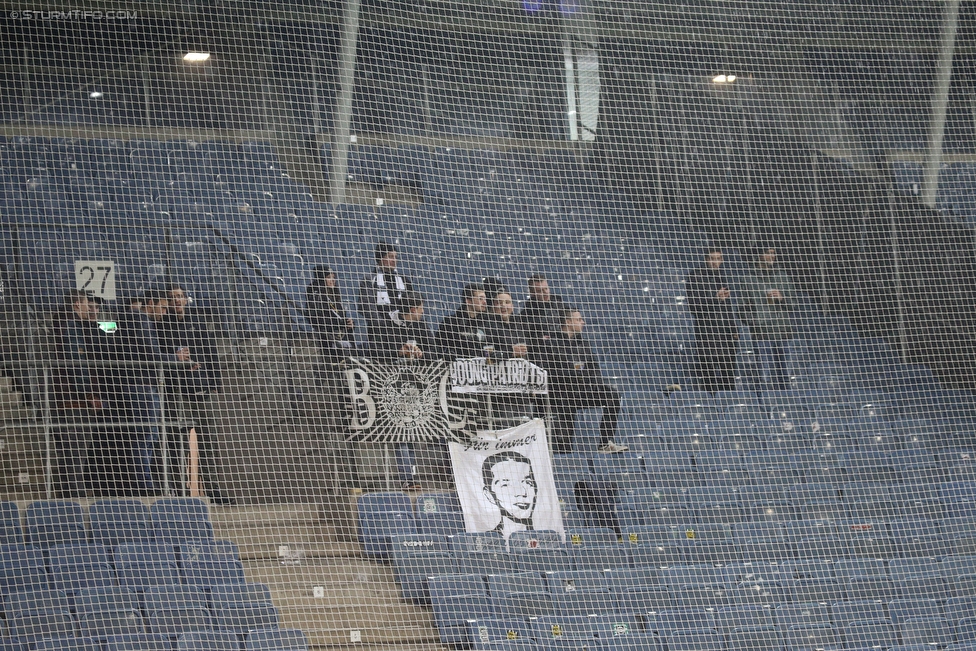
505,332
410,339
539,318
326,315
74,393
766,307
710,301
141,345
465,333
185,334
575,383
380,293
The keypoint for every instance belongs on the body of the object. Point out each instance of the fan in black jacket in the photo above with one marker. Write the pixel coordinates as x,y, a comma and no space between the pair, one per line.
575,383
380,293
325,313
409,337
710,302
465,333
539,318
183,329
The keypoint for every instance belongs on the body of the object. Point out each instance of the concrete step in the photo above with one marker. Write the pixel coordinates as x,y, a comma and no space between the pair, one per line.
261,530
356,595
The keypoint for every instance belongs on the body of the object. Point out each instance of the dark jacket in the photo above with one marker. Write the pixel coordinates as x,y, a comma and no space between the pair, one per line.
393,338
459,337
572,366
74,341
191,332
539,320
379,301
502,336
139,342
327,316
714,318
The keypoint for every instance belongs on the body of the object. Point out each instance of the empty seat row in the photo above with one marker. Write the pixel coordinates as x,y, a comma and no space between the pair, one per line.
108,522
254,640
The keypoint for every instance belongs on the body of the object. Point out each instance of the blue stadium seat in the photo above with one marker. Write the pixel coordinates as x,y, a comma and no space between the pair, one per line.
174,597
695,640
580,592
801,616
439,513
80,567
519,595
33,626
68,644
417,557
926,631
11,532
179,520
815,590
481,553
286,639
667,622
112,598
653,545
870,634
141,566
211,570
381,516
117,522
486,631
18,603
208,641
455,599
812,638
144,642
730,618
103,623
55,523
957,608
22,569
178,621
901,610
242,618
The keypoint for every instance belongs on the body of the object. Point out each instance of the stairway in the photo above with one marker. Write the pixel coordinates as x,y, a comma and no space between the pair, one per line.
331,593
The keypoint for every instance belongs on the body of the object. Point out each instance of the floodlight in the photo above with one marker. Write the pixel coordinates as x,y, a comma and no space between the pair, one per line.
196,57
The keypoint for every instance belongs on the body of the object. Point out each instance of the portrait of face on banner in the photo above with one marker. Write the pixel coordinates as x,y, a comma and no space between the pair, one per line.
505,482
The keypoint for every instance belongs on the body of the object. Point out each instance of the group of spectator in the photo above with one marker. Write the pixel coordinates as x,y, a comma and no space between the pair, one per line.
764,303
547,332
105,383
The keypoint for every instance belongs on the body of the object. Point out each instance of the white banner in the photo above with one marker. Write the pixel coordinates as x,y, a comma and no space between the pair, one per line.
513,375
504,481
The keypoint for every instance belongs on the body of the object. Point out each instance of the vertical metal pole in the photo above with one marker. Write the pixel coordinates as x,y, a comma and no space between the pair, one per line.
48,473
940,101
343,112
896,270
386,466
571,112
